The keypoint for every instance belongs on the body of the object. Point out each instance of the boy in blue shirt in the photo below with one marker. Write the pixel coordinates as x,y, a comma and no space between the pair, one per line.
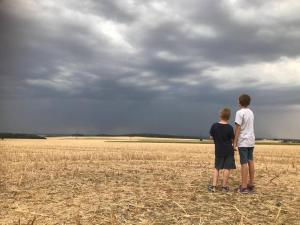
223,135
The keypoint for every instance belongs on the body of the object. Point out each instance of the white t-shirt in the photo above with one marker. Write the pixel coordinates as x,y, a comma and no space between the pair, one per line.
245,118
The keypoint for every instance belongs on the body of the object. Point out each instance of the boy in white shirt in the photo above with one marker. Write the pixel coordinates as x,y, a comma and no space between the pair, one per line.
245,141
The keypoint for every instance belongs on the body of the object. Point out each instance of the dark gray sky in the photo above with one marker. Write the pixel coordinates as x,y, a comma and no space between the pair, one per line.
112,66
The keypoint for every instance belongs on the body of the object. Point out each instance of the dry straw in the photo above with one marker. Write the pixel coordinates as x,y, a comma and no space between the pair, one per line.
92,181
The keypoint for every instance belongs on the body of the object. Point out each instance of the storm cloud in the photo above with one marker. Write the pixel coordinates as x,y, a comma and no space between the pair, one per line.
147,66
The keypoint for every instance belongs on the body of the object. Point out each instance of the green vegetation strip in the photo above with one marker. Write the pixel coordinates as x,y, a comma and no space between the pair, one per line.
191,142
276,143
161,141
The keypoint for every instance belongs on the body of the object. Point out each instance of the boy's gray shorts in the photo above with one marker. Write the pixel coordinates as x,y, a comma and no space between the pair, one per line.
226,162
246,154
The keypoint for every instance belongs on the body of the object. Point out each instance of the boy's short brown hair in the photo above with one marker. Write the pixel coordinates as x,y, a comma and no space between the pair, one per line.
225,113
244,100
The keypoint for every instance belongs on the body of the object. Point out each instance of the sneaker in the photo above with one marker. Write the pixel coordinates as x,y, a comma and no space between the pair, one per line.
242,190
211,188
225,189
250,187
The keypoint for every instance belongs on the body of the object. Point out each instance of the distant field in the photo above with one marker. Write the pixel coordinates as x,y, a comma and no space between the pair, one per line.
127,180
169,140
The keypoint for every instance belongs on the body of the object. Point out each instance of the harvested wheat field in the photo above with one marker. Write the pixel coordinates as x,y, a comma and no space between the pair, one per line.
112,181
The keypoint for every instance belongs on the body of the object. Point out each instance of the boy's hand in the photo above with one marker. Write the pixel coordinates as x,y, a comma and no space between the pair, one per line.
235,147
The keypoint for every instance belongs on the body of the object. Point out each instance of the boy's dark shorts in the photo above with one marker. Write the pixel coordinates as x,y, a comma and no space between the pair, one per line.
246,154
226,162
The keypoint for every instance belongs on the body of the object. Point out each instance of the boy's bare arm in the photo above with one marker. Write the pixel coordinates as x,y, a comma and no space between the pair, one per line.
237,134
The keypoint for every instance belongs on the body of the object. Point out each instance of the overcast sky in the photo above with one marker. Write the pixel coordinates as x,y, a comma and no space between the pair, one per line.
124,66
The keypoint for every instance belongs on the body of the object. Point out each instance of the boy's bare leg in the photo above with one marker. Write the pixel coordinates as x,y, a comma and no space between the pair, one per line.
225,177
251,171
215,177
244,174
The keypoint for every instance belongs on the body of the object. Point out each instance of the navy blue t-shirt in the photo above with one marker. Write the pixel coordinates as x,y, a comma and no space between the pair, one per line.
223,135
